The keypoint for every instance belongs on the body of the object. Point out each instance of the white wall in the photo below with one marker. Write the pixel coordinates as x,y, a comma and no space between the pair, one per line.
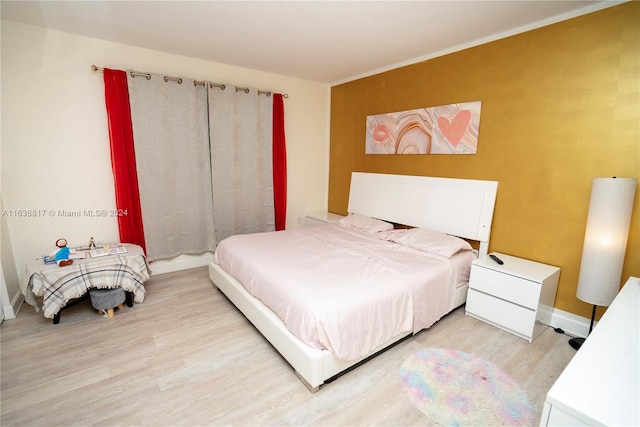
55,143
10,294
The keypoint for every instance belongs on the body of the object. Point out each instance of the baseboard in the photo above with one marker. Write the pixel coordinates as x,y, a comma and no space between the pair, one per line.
8,312
182,262
11,310
572,324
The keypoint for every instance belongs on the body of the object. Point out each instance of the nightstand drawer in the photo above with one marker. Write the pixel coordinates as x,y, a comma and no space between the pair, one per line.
499,313
507,287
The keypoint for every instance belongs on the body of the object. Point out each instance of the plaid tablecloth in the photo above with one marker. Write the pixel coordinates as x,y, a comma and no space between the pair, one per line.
59,285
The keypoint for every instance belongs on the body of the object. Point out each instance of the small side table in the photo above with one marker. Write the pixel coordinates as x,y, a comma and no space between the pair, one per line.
321,218
62,287
517,296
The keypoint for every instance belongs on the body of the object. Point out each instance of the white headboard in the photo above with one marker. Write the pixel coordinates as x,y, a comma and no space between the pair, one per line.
461,207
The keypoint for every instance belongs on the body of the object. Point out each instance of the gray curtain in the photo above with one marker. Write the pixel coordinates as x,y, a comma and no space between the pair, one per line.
171,138
241,128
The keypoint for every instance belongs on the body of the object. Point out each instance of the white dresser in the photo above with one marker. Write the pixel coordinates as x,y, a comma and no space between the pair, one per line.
321,218
600,386
516,296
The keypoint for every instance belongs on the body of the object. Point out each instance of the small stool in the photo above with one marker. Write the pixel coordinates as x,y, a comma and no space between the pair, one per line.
106,299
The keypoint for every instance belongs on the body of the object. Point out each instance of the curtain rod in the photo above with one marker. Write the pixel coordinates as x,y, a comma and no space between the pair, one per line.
195,82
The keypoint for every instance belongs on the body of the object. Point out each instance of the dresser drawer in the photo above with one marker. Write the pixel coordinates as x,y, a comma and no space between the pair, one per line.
500,313
511,288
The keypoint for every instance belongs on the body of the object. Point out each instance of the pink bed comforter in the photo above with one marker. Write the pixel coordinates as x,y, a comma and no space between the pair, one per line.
343,290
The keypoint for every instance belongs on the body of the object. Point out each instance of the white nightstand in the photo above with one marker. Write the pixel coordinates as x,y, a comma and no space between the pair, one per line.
517,296
321,218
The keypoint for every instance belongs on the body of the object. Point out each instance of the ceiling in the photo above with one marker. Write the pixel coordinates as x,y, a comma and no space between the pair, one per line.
323,41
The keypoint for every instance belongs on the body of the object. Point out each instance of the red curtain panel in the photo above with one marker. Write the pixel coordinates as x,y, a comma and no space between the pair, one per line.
279,164
123,158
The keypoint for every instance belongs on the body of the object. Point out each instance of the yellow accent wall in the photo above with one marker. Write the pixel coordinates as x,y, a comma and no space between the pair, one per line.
560,106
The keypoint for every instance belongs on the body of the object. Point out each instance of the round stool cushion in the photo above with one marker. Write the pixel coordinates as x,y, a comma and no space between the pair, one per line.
104,299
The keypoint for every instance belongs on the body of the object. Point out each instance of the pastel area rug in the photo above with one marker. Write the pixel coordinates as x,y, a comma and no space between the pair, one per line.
454,388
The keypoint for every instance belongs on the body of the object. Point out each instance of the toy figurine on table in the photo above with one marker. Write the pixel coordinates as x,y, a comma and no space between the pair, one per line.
62,254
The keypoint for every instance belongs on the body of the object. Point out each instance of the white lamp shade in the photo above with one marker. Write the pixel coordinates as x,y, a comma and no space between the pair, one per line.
605,239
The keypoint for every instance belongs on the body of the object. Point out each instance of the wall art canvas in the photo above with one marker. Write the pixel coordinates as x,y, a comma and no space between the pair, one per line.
448,129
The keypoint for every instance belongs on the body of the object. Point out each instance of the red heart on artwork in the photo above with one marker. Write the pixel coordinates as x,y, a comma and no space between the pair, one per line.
455,129
380,133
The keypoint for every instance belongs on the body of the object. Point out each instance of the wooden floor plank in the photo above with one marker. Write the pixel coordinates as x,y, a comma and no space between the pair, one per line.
186,356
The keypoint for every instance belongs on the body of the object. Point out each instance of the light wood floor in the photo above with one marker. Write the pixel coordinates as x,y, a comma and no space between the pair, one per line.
187,357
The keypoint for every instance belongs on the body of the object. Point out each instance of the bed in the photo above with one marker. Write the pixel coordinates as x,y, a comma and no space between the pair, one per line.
306,332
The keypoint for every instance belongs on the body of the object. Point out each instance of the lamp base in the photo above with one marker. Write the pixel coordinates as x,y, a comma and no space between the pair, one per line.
576,343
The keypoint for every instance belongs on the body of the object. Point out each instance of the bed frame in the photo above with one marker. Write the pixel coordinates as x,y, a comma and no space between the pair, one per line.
459,207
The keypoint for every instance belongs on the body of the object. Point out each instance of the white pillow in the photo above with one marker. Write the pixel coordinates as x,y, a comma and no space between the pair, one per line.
391,235
431,241
365,223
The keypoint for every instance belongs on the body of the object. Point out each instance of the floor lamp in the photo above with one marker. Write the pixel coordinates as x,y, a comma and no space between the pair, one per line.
605,243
